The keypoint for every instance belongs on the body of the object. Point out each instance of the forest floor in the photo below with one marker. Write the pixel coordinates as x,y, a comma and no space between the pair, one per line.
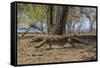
28,54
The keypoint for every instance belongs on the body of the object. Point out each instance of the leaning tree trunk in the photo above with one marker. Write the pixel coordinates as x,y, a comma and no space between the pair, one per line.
56,24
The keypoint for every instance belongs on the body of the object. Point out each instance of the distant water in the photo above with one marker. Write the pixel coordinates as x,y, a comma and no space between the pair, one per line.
30,30
36,30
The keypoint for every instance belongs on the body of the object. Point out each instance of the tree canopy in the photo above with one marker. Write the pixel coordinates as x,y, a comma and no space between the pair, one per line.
34,12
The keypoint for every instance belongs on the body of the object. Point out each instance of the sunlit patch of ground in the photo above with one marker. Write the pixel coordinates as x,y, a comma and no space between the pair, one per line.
27,54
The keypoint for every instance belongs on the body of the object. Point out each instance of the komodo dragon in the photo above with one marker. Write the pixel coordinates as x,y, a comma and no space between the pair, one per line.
58,39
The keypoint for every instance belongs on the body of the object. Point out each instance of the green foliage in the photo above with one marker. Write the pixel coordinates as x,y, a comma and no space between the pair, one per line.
34,12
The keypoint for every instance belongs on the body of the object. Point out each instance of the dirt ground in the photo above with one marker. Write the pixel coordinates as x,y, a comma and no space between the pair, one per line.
28,54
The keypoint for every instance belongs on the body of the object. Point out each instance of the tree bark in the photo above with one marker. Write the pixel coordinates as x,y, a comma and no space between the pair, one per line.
69,28
79,28
49,18
56,24
91,27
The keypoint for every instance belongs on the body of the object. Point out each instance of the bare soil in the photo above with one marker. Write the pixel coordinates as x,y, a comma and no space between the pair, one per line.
28,54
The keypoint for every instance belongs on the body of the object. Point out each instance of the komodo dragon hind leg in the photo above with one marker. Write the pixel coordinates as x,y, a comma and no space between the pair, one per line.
73,44
41,44
50,45
70,41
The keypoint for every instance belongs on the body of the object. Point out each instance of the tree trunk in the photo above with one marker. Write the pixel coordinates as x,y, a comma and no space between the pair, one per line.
79,28
69,28
91,26
49,18
56,24
91,22
73,27
42,25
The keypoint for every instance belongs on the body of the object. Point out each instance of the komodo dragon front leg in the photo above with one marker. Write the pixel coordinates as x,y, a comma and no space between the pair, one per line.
42,41
70,41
